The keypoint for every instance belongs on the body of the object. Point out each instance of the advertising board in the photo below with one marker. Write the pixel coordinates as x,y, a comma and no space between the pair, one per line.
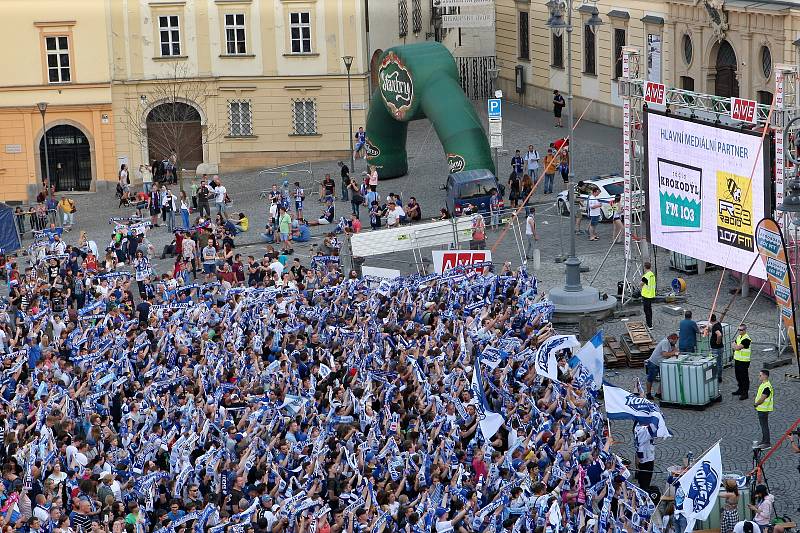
706,190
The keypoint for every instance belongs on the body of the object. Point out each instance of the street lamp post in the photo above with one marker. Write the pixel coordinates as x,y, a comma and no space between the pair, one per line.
573,298
43,109
348,62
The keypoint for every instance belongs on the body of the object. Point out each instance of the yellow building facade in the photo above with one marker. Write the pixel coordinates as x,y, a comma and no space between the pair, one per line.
57,53
723,47
239,83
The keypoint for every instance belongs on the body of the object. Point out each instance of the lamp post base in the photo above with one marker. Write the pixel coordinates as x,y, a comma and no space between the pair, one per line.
572,305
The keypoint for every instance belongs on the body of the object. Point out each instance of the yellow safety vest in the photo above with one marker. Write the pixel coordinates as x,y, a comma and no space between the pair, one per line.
743,354
768,405
649,289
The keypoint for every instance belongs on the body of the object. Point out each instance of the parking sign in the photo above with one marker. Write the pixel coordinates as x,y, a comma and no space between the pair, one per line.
495,108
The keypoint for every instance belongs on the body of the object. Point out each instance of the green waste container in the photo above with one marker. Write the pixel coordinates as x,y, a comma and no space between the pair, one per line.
714,519
689,379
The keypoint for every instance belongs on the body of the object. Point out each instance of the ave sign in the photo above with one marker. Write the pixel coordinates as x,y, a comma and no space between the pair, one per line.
655,93
743,110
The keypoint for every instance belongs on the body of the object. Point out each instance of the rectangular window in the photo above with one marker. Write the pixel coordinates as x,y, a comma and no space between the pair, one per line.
416,15
402,13
169,35
687,83
58,59
240,118
764,97
304,116
300,31
234,34
524,40
619,43
558,49
589,49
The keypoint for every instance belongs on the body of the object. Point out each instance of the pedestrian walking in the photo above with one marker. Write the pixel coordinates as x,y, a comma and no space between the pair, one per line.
648,294
527,188
185,210
168,208
203,198
715,342
687,331
146,175
765,404
595,213
531,237
550,164
558,106
616,220
644,436
356,197
494,210
517,165
299,198
664,350
67,206
344,172
514,190
741,362
532,161
373,178
220,195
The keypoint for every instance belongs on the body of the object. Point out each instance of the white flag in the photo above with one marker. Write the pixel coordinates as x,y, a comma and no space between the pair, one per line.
698,488
546,363
591,357
489,421
624,405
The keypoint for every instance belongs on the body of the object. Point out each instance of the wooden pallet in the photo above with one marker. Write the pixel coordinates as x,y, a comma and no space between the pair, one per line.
638,332
613,354
636,354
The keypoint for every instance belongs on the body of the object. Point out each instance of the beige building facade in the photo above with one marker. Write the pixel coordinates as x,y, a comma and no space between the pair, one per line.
239,83
57,53
724,47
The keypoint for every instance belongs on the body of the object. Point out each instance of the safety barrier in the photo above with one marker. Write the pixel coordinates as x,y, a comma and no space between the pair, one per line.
28,219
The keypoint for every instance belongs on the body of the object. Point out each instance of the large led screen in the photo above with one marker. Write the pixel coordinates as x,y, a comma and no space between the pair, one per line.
706,190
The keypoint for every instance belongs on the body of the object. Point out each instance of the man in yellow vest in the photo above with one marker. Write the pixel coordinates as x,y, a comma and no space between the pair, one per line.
741,362
765,404
648,293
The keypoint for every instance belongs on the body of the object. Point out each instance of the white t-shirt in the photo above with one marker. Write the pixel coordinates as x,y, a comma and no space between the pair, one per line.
444,526
594,207
533,160
220,192
393,216
276,266
529,225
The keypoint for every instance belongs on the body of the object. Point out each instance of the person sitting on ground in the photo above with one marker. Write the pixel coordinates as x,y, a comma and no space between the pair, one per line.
327,215
394,215
237,226
269,234
444,214
413,211
300,231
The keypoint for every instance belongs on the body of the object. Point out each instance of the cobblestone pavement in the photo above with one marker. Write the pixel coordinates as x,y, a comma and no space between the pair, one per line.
596,150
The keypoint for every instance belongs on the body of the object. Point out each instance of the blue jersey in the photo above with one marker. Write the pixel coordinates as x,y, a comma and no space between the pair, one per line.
361,136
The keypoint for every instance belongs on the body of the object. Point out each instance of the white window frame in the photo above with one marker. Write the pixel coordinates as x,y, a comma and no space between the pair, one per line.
59,54
240,118
170,41
304,121
235,27
303,42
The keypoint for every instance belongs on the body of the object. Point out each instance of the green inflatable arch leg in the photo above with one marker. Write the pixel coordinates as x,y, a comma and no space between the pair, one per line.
419,81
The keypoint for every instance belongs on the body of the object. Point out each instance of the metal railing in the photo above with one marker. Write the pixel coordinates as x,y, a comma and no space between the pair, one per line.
28,220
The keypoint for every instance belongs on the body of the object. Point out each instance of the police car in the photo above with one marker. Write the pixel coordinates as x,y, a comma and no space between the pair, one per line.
610,185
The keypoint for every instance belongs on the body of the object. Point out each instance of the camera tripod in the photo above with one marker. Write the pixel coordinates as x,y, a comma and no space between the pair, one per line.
757,471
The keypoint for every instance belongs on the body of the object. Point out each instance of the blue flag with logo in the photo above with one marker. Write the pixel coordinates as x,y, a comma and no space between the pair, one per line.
698,488
624,405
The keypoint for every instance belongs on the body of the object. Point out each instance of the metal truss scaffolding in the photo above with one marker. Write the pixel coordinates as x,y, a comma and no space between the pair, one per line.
632,88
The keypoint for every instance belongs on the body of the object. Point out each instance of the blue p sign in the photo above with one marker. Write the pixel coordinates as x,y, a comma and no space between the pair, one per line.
495,109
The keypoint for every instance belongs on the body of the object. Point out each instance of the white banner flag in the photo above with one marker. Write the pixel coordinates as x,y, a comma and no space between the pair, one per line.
698,488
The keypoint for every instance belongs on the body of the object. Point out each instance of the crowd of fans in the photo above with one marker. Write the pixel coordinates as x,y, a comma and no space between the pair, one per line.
270,396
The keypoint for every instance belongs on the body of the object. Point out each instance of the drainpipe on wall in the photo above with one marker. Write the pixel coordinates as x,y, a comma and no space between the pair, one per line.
368,61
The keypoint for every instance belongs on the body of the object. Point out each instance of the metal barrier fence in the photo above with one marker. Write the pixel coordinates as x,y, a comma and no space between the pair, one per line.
29,219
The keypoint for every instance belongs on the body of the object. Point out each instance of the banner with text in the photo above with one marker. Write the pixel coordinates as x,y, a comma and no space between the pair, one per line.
706,190
772,249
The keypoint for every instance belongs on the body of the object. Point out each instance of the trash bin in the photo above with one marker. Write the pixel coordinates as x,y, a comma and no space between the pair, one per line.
689,379
727,338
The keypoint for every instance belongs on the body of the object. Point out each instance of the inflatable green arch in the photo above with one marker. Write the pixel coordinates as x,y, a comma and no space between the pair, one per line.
418,81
